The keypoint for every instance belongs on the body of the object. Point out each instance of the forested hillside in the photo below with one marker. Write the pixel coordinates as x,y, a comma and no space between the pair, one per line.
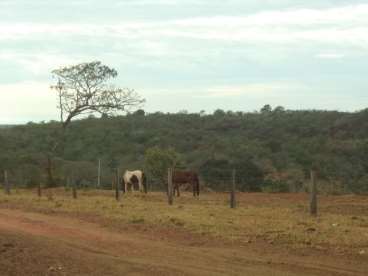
271,150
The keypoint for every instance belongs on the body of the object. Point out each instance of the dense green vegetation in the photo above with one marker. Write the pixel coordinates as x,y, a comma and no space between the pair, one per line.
271,150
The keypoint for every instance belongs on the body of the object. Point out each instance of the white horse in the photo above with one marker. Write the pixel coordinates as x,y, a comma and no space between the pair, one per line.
133,178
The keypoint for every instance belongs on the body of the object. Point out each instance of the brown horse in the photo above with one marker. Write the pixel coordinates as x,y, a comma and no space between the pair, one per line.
185,177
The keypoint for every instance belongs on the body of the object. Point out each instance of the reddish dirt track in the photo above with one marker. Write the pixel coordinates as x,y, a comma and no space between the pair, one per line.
38,244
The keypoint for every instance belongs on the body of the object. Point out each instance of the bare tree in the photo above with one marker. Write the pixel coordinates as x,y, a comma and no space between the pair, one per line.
85,89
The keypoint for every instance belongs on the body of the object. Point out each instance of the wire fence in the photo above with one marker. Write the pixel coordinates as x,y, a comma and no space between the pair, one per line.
227,181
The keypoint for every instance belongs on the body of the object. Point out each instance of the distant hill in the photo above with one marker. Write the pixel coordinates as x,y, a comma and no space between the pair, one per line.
273,149
7,126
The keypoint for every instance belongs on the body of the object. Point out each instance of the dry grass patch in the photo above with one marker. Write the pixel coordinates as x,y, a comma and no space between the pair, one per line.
279,219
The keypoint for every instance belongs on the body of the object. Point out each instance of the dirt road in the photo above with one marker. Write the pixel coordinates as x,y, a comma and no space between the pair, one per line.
38,244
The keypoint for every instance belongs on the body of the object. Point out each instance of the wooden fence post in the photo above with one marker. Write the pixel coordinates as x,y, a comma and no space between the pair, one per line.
6,183
313,194
149,183
170,186
74,188
117,193
233,188
99,174
75,195
145,185
39,190
123,187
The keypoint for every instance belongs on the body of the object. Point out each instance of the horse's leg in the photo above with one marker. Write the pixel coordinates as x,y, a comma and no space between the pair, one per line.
178,190
194,188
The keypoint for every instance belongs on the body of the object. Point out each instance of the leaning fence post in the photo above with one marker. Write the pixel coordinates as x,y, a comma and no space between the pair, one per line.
232,193
170,186
313,194
6,183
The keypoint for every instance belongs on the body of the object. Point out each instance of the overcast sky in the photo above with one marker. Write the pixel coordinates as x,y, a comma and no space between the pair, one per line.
189,54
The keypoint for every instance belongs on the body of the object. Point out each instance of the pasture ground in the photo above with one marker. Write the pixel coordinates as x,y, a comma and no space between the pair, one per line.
268,234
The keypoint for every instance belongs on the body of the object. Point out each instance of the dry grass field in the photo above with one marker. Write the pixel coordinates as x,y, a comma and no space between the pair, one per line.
270,226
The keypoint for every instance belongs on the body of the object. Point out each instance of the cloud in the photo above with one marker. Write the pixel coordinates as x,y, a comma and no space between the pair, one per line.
346,25
154,2
330,56
253,90
24,101
38,63
354,14
116,3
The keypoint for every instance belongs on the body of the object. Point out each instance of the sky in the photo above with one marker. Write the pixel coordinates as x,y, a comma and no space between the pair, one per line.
189,54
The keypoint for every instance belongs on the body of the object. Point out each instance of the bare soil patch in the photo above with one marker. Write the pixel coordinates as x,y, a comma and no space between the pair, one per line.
40,244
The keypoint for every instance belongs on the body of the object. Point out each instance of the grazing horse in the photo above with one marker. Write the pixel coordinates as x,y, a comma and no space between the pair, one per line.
185,177
134,179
